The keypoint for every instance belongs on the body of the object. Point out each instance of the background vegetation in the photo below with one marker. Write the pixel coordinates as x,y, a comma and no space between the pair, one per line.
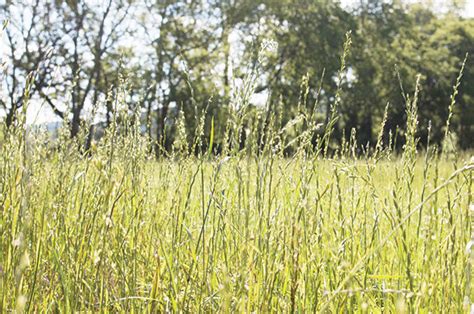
195,56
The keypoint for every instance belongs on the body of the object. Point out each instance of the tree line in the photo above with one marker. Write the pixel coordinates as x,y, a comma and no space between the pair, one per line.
197,60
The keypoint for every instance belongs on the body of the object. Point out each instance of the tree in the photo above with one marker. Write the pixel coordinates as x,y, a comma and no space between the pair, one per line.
394,42
28,66
310,37
64,46
177,65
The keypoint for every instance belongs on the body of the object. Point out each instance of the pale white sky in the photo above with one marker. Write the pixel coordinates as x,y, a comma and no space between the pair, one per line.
439,4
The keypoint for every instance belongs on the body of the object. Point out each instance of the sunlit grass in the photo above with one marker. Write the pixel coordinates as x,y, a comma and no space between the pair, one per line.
117,231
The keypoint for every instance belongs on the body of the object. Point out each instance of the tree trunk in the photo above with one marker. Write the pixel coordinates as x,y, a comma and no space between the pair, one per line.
160,127
75,122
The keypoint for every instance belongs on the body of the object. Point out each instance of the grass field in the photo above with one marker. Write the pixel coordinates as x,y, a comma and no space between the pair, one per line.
238,205
117,230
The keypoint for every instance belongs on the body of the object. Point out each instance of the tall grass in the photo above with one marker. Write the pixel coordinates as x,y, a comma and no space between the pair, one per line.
250,230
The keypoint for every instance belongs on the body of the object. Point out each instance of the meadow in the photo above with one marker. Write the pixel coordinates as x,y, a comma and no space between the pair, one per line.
220,157
250,230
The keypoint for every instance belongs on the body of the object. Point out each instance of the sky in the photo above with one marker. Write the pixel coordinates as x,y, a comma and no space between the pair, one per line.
470,8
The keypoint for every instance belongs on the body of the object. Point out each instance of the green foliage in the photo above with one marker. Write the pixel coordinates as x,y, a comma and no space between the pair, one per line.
194,57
